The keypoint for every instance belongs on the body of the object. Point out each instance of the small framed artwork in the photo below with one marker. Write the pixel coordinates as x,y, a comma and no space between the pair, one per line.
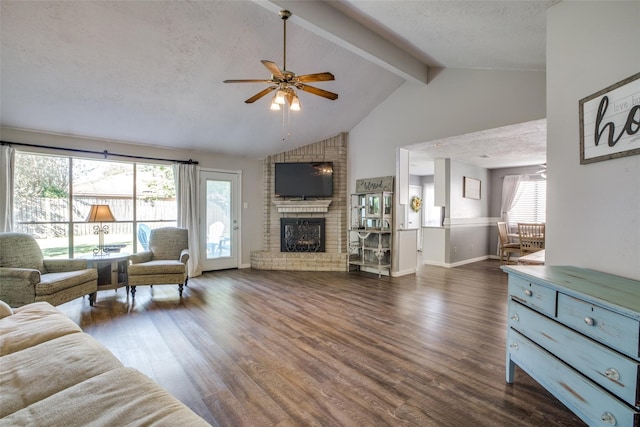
470,188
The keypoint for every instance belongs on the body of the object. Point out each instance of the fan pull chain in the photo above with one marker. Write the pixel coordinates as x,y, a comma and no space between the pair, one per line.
286,124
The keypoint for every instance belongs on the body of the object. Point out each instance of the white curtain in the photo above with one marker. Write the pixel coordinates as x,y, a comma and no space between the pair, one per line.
509,191
186,177
7,168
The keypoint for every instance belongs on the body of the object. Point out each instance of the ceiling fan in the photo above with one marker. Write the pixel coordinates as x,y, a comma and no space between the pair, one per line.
285,82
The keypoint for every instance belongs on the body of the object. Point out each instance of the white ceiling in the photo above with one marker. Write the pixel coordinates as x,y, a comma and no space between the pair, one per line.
151,72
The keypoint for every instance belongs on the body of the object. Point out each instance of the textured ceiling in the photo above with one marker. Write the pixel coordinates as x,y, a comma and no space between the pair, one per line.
151,72
522,144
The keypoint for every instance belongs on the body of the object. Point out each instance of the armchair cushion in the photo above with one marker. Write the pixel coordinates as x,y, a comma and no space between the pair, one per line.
157,267
54,282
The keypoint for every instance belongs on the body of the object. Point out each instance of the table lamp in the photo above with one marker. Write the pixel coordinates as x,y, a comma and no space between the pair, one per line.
100,213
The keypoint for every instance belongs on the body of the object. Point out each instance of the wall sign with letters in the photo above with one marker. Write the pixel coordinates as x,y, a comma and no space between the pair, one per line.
610,122
372,185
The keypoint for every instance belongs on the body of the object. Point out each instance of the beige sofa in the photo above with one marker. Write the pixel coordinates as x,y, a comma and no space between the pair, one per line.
53,374
26,277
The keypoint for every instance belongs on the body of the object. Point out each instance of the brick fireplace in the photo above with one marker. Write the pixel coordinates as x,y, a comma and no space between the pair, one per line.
332,211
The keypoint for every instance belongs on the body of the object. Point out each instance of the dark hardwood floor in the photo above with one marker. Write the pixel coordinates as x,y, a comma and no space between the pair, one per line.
273,348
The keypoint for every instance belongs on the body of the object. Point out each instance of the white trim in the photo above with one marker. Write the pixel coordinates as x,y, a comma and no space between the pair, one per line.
294,206
403,272
487,221
459,263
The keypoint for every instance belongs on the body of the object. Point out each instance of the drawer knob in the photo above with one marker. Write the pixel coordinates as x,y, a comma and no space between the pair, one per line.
515,317
589,321
528,292
612,374
514,345
608,417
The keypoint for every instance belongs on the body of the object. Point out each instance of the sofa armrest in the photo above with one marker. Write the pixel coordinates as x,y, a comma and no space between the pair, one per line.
18,285
23,275
140,257
184,256
63,265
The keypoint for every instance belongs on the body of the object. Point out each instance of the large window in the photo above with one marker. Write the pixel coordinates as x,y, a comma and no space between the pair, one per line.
54,194
530,203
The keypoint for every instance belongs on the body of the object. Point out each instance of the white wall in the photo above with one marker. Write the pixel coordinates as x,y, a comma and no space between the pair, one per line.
455,102
593,211
252,185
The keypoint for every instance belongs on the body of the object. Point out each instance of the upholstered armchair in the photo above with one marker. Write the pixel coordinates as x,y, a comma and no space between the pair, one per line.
26,277
164,263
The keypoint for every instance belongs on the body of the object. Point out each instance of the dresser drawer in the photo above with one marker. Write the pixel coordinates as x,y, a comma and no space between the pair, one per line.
593,404
610,369
610,328
538,297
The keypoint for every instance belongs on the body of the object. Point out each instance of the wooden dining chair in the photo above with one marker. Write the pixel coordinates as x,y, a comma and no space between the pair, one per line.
531,237
506,247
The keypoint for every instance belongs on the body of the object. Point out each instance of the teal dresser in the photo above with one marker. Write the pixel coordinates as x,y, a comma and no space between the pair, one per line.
577,332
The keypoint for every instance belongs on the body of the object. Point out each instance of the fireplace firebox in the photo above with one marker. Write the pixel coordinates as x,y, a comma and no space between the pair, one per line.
302,234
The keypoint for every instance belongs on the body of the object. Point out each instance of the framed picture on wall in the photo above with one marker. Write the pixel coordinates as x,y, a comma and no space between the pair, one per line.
470,188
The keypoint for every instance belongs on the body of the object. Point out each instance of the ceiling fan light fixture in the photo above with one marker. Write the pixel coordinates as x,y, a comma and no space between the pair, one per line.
295,103
284,82
274,104
280,97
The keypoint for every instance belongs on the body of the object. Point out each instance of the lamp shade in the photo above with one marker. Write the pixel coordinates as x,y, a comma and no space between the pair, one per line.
100,213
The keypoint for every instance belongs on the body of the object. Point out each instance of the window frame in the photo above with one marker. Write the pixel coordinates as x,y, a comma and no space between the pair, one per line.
70,224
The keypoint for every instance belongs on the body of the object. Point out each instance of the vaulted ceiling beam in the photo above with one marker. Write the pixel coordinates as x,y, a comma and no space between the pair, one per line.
333,25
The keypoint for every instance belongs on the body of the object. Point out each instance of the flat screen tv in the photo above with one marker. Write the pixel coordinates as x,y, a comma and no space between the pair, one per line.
304,180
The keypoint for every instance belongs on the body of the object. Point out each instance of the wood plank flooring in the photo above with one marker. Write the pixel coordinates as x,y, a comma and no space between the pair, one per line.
271,348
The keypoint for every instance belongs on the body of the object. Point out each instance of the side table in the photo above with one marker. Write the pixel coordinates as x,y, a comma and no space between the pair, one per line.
112,270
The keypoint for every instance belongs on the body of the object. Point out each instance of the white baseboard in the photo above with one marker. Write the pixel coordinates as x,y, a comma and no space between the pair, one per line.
403,272
459,263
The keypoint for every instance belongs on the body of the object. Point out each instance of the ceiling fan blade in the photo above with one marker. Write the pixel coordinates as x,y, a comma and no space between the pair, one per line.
260,94
320,92
248,81
273,68
318,77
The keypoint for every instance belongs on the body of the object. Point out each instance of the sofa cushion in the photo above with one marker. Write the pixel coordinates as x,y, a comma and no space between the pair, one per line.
122,396
157,267
19,250
78,356
5,309
31,325
51,283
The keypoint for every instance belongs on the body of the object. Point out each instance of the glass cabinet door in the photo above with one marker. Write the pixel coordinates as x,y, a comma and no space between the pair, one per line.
373,205
387,204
